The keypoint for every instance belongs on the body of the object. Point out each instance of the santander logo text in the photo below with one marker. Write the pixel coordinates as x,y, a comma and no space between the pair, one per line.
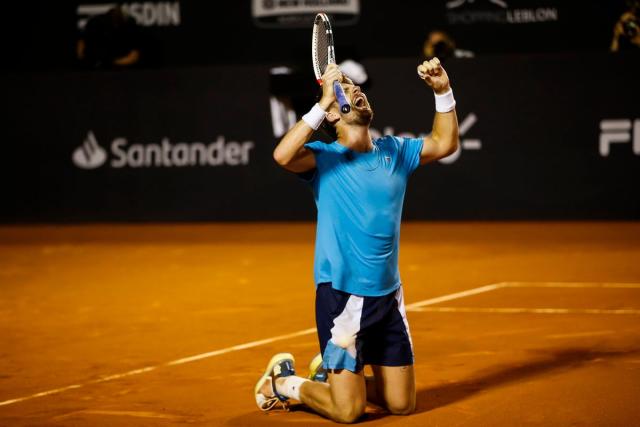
89,155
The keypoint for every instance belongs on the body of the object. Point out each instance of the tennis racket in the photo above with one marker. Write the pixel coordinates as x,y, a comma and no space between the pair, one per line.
323,54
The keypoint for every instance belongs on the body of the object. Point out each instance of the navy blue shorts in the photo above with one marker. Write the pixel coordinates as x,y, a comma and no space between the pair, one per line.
355,331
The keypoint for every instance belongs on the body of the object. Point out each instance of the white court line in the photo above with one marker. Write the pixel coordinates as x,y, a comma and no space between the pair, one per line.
580,334
233,348
240,347
510,310
41,394
450,297
605,285
151,368
416,306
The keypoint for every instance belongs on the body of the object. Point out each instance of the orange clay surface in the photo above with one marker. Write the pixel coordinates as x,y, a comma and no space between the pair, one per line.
97,323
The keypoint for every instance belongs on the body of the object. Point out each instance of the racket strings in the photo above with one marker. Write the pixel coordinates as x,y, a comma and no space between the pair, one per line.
322,48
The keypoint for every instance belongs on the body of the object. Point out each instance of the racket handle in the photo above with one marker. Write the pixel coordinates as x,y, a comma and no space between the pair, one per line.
341,97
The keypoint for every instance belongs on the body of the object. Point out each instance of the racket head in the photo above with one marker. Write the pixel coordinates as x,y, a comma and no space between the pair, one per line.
322,47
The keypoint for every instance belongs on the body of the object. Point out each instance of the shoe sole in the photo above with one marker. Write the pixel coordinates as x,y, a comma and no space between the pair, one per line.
315,364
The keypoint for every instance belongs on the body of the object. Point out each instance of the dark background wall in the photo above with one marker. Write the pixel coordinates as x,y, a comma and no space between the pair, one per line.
550,120
41,34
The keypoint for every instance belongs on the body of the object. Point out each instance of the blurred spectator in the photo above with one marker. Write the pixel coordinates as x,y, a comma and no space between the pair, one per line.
355,71
440,44
626,32
110,40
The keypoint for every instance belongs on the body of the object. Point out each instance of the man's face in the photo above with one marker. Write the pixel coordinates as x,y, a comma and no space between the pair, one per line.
361,112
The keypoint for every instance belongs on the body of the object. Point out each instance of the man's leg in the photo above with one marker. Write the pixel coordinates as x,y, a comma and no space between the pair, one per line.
390,387
393,388
343,399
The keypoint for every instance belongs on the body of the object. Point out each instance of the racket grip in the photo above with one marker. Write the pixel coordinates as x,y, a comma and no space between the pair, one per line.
345,107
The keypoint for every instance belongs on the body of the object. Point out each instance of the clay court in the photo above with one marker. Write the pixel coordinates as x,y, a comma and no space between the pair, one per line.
513,323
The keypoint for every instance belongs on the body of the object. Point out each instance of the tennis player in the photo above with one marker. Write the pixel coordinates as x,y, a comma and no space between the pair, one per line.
359,185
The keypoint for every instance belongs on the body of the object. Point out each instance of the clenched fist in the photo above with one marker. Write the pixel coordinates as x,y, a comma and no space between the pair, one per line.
434,76
331,74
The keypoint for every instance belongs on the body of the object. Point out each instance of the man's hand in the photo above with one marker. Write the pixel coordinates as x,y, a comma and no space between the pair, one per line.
331,74
434,76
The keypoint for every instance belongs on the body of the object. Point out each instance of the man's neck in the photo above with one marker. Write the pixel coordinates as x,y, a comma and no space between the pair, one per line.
356,138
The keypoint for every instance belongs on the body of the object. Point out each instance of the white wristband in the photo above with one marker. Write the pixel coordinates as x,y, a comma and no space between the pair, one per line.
314,117
445,102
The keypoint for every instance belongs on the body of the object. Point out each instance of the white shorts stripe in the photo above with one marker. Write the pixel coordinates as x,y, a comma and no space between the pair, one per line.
403,313
347,325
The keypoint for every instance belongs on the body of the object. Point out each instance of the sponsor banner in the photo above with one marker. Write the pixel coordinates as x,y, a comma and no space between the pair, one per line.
619,131
146,14
141,145
540,138
500,12
91,155
300,13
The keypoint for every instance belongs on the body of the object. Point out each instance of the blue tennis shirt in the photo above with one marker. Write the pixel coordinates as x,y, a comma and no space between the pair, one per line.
359,197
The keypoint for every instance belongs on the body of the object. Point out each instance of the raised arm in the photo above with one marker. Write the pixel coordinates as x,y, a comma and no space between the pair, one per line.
443,139
291,153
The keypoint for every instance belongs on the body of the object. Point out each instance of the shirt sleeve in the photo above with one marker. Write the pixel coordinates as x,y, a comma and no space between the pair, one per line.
316,146
410,149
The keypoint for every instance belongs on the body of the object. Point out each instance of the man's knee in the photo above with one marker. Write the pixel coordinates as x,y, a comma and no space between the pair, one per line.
349,413
406,407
